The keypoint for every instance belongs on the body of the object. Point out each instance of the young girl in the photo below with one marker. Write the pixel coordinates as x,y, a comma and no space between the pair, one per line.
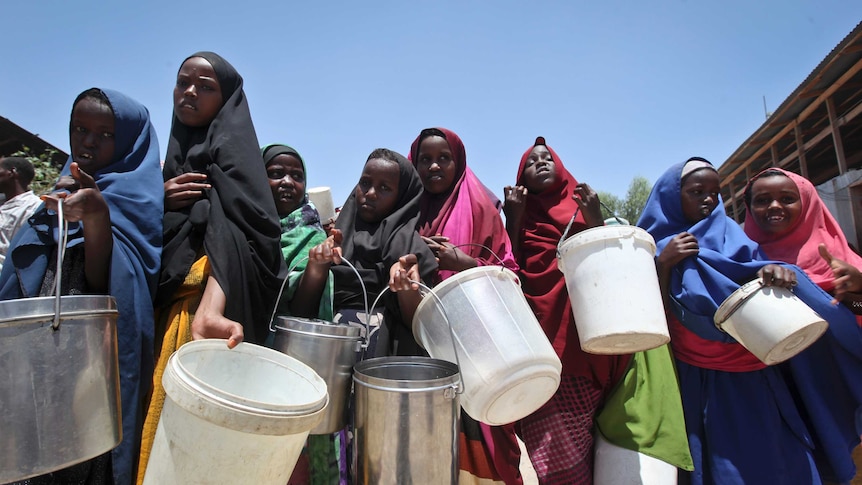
375,230
112,197
790,222
459,219
221,261
617,391
743,424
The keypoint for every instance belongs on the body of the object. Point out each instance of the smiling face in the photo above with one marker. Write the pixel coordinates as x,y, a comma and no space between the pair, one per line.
540,172
91,136
377,190
435,165
775,204
197,94
287,181
699,195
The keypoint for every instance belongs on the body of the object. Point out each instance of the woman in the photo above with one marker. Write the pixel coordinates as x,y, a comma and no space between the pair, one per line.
112,197
742,422
221,261
459,219
788,219
559,436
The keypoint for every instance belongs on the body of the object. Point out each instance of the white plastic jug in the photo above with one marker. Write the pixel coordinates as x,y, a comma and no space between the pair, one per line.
233,415
769,321
508,367
613,286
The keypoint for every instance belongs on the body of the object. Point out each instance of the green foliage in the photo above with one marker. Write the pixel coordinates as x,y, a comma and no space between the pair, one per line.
46,172
611,204
632,206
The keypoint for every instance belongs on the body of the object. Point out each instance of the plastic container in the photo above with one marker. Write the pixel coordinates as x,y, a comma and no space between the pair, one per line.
331,350
769,321
321,197
613,286
508,366
407,421
615,465
233,416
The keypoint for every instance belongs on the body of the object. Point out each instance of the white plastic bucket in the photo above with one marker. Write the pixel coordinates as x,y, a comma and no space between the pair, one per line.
508,367
233,416
613,286
321,197
615,465
769,321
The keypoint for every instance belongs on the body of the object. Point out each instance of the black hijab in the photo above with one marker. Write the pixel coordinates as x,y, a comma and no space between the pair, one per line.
235,224
374,248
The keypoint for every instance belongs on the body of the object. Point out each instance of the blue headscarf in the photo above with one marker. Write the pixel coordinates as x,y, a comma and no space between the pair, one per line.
132,186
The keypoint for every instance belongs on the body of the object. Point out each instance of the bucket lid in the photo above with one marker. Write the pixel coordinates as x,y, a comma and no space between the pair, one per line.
318,327
29,310
250,378
735,300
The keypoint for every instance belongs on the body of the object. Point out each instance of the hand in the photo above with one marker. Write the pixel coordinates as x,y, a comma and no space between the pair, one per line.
402,272
591,206
848,279
85,203
448,256
515,201
680,247
327,252
215,325
777,275
184,190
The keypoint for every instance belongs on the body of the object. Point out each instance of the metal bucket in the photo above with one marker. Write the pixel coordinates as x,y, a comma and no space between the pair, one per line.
59,389
331,350
407,421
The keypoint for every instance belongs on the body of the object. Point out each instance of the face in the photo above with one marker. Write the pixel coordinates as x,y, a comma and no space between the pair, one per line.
92,135
775,204
197,94
287,181
377,190
435,165
540,172
700,194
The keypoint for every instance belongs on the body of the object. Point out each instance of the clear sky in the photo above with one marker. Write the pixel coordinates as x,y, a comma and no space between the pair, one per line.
618,88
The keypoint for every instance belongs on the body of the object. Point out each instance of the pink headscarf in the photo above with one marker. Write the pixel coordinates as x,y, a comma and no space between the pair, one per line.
468,213
799,245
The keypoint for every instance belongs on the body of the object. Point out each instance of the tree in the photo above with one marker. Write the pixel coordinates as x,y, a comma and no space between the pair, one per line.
611,204
46,172
636,198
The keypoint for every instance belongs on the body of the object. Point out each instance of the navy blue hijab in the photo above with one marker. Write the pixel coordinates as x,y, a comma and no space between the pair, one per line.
132,187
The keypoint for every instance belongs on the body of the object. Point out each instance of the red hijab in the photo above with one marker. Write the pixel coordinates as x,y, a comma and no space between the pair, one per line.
468,213
814,226
545,218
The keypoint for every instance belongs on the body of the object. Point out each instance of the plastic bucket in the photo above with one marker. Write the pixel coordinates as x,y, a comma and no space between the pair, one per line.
613,286
508,367
620,466
769,321
233,416
407,421
59,389
328,348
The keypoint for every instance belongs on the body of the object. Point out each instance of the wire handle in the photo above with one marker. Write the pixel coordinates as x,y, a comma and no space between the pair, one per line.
63,236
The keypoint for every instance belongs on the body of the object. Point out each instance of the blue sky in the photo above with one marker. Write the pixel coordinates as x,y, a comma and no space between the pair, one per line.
618,88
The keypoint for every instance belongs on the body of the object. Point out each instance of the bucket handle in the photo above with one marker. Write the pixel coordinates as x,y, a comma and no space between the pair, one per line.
284,283
460,388
572,221
63,236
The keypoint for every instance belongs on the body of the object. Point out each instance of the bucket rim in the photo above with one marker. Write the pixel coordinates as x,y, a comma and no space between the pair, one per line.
187,379
362,377
39,309
318,327
594,234
736,299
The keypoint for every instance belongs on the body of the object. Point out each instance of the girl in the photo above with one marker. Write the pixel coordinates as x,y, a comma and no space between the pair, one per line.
221,260
459,219
111,191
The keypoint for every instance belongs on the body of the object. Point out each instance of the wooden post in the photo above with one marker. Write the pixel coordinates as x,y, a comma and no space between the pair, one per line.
836,136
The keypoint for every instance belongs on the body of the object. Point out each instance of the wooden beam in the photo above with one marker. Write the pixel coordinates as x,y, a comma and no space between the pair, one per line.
836,136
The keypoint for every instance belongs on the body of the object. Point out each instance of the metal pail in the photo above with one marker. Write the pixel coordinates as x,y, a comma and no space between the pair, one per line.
59,389
331,350
407,421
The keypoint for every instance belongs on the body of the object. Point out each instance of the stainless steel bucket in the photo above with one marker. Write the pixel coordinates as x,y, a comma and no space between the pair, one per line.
59,389
331,350
407,421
